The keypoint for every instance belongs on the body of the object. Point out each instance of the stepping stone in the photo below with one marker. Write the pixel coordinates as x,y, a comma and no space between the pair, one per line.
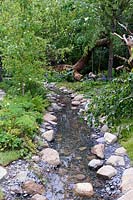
110,138
84,189
3,172
127,180
107,171
121,151
95,163
116,161
127,196
48,135
50,156
98,150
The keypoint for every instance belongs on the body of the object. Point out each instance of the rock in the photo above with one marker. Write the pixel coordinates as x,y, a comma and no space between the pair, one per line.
55,106
78,97
49,135
38,197
84,189
127,180
35,158
80,177
98,150
82,148
107,171
3,172
115,161
48,117
100,140
127,196
110,138
95,163
16,189
50,109
21,176
104,128
50,156
42,130
33,188
75,103
120,151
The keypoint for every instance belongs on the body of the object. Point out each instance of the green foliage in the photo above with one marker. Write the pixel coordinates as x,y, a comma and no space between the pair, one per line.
21,45
114,101
19,118
8,156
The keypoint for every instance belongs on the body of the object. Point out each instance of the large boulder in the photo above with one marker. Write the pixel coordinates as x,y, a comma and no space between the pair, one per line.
127,180
84,189
50,156
48,117
115,161
98,150
33,188
107,171
110,138
3,172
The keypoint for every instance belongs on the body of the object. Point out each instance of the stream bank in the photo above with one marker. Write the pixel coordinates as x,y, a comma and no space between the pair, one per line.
73,140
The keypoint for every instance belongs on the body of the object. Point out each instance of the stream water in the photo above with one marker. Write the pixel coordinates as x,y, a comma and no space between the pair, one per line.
73,141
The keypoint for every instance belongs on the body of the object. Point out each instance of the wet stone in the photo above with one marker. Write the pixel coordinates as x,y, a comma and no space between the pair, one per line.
107,171
50,156
84,189
95,163
80,177
33,188
120,151
48,135
115,161
38,197
98,150
49,118
104,128
110,138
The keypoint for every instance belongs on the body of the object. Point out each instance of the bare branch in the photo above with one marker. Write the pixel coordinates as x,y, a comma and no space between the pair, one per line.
123,26
118,36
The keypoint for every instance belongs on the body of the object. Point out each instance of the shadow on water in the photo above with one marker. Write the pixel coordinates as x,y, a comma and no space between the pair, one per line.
73,144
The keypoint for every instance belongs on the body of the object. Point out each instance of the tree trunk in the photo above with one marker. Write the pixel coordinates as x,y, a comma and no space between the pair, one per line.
110,61
80,64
